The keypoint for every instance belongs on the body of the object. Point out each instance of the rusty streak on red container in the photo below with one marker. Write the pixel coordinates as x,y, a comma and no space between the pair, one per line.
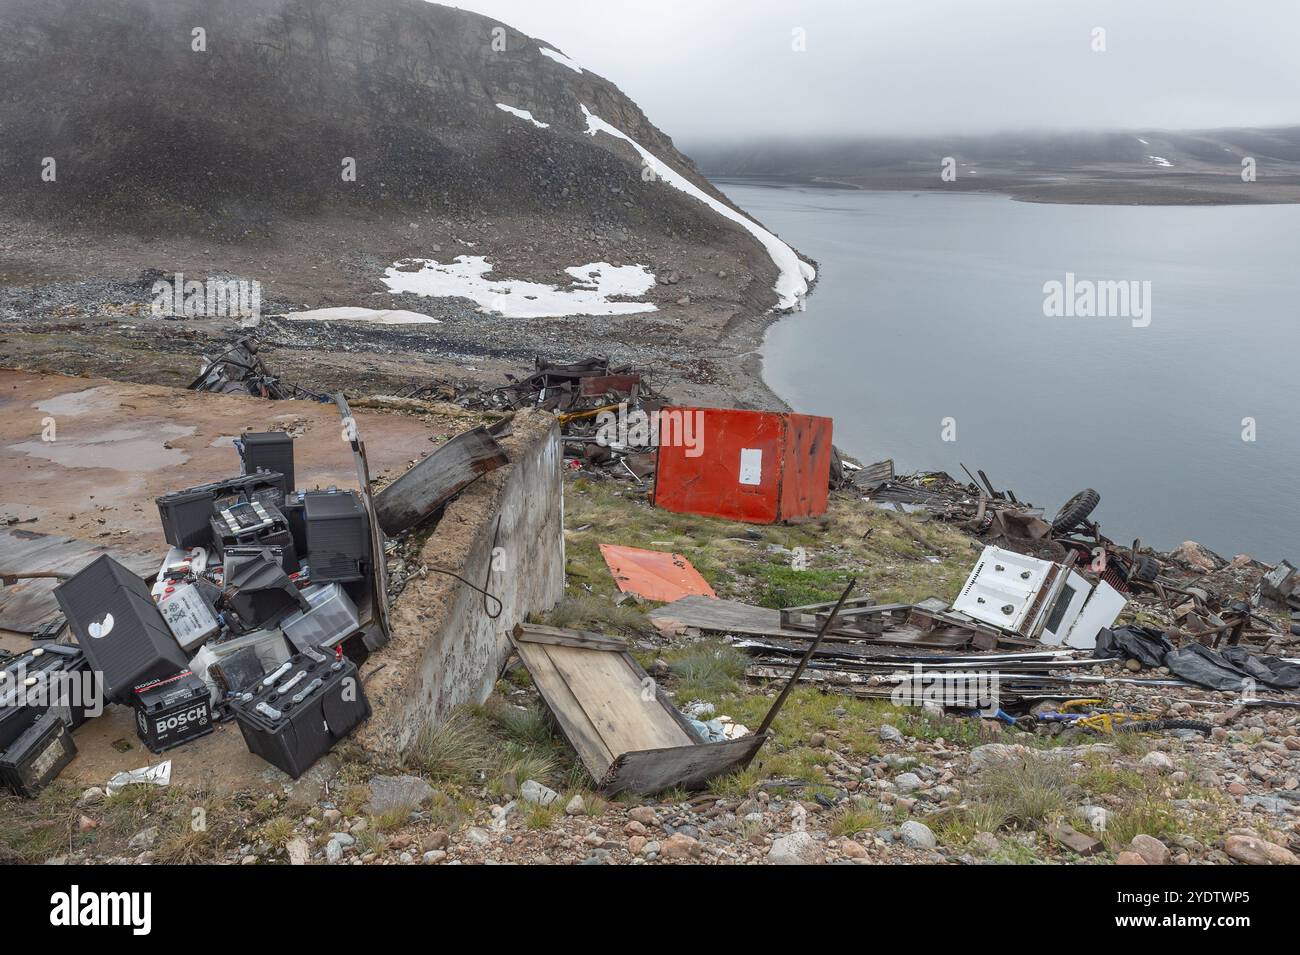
755,466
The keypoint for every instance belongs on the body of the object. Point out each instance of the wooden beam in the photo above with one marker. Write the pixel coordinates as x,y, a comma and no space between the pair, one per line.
434,481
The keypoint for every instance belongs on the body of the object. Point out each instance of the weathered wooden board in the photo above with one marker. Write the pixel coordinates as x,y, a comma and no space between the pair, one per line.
625,730
26,605
690,767
435,480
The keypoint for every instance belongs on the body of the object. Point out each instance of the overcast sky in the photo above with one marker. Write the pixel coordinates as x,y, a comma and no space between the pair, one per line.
705,69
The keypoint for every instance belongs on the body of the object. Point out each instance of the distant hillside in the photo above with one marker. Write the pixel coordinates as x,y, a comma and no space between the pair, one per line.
1150,165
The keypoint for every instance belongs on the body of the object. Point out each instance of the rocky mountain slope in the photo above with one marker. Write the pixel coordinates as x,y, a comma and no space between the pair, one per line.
310,145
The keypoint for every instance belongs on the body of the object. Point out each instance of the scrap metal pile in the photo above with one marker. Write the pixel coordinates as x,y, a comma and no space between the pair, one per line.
239,370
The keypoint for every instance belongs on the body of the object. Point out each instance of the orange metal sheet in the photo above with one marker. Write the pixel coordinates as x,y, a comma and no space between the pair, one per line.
654,574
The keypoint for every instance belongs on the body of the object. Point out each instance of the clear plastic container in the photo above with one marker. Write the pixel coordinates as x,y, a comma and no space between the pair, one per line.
331,619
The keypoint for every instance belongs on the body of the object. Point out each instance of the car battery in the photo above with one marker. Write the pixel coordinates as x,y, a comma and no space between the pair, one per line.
184,516
252,524
180,564
53,678
260,592
302,709
338,536
295,512
172,711
118,627
237,554
188,616
269,451
36,757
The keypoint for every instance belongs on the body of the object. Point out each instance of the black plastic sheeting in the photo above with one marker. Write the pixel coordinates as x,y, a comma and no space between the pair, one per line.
1233,669
1147,645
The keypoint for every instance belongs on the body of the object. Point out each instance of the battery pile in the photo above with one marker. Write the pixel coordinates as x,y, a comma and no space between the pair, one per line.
253,617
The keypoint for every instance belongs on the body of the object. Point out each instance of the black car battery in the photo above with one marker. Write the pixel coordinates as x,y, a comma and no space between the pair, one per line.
186,514
338,536
268,451
54,678
259,592
299,711
36,757
295,512
172,711
118,627
253,524
237,554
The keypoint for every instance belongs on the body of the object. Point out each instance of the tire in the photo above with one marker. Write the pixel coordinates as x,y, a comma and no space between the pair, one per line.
1146,569
1075,511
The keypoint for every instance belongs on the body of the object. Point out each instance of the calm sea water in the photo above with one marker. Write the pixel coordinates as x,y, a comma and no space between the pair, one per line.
931,307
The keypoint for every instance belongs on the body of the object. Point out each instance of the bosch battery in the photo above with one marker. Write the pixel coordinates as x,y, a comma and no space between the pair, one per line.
172,711
301,709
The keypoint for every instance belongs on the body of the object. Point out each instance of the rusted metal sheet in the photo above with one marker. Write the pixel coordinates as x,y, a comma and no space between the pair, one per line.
597,386
27,604
653,574
755,466
435,480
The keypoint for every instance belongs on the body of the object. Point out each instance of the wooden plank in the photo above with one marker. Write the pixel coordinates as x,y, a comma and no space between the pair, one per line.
435,480
691,767
611,696
556,636
574,722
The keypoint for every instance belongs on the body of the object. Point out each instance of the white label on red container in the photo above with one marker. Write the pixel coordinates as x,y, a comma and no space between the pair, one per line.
751,466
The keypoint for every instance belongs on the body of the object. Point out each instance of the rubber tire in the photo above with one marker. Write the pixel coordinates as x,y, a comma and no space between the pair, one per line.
1075,511
1146,569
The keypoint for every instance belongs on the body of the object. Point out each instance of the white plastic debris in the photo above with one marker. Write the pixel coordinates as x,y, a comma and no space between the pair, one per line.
159,775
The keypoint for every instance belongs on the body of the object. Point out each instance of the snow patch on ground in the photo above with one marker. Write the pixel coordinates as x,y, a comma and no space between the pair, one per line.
791,285
373,316
523,114
560,58
466,277
1143,141
1160,161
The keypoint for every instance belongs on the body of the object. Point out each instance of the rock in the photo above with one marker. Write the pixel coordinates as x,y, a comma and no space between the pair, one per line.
907,782
85,824
1254,851
534,792
1201,558
478,836
575,807
438,839
298,851
917,835
1129,858
890,734
985,841
1158,761
852,850
397,794
144,839
1074,840
798,848
434,856
1151,849
1098,817
90,797
634,828
636,843
333,851
982,757
344,839
678,846
643,814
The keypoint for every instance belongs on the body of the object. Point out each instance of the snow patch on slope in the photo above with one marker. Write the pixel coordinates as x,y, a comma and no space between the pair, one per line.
560,58
795,274
1160,161
373,316
595,284
523,114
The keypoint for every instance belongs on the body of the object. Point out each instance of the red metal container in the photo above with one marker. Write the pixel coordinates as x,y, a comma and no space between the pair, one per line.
756,466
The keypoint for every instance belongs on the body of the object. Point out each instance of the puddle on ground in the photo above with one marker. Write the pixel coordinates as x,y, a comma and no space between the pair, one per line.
78,402
137,448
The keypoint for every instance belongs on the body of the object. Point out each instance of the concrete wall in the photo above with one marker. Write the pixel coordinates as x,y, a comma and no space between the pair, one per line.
505,531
